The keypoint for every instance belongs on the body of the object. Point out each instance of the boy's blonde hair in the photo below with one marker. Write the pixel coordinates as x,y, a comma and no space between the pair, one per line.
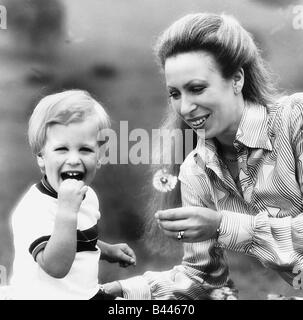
63,108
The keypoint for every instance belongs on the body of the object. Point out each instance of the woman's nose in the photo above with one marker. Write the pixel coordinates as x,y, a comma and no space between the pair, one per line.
187,107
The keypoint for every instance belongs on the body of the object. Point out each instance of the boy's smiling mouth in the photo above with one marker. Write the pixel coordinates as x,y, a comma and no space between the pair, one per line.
78,175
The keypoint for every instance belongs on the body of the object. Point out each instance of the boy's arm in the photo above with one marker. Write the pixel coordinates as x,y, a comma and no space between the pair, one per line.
103,246
58,255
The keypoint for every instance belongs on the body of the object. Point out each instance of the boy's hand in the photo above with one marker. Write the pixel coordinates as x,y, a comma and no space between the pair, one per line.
121,253
70,194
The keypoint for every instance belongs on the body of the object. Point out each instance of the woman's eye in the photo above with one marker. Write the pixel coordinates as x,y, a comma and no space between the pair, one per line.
197,89
86,150
174,94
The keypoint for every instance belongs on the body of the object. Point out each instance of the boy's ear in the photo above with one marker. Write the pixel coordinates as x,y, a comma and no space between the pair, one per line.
40,162
102,147
99,158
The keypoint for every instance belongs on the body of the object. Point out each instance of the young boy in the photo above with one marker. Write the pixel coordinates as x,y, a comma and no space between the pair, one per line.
57,250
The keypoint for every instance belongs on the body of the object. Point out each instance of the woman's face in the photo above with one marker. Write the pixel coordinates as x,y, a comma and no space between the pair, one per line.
200,94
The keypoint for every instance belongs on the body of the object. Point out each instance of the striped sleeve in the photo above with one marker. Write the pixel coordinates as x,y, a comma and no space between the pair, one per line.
297,126
276,242
205,260
203,268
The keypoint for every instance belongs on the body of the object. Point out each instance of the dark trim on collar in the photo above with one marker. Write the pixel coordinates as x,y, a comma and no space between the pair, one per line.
45,187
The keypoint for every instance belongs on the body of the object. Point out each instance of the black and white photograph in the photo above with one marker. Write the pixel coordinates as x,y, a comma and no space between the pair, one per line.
151,150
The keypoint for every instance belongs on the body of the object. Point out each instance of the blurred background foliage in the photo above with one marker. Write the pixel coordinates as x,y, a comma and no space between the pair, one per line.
105,47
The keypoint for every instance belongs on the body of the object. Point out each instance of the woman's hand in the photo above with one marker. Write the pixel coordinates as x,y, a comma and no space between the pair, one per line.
198,223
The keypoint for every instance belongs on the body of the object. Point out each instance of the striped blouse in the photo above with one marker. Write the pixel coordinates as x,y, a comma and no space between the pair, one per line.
263,219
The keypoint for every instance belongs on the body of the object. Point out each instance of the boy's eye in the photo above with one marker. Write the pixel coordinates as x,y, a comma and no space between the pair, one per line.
86,149
61,149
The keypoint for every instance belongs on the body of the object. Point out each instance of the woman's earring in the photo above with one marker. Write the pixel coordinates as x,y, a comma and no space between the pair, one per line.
98,163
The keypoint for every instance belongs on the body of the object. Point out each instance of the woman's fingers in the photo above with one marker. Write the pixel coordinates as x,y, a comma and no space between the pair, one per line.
198,223
174,214
176,225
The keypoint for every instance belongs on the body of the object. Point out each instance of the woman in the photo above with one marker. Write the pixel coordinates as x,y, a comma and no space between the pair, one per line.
242,186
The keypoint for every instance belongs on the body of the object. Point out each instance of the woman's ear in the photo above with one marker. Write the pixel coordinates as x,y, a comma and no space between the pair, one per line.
98,163
238,81
40,161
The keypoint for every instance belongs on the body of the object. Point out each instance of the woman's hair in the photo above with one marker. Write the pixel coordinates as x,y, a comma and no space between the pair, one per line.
233,48
228,42
63,108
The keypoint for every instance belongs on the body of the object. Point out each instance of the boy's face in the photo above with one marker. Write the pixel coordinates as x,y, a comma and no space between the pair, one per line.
70,151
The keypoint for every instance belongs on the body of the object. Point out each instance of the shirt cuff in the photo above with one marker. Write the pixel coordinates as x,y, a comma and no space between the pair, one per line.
297,232
236,231
38,245
135,288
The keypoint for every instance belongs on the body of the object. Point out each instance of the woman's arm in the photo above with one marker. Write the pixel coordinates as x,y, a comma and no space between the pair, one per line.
276,242
202,269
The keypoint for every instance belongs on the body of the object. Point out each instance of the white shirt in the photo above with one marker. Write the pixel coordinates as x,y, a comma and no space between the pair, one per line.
33,222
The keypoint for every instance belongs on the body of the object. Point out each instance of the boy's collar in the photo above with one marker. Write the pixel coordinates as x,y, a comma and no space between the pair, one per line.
45,187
